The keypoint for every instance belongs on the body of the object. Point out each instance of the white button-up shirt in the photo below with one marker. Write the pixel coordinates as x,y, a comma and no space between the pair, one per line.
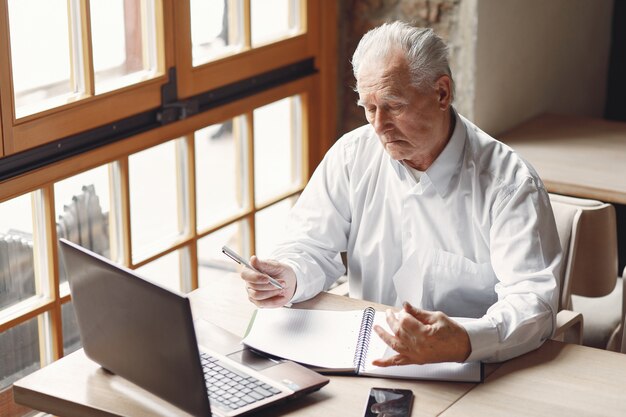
475,238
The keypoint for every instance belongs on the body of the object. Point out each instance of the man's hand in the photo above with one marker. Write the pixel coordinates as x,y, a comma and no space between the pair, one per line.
422,336
259,289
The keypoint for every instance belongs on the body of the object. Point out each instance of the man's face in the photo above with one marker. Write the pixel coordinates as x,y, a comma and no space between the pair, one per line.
408,121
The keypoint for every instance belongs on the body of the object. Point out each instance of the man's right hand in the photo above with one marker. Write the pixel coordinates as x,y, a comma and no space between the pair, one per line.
421,337
260,291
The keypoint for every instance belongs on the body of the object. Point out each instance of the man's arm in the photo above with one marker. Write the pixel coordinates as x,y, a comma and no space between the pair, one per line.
526,258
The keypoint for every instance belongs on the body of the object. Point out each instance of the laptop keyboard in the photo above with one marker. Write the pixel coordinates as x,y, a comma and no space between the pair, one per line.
230,388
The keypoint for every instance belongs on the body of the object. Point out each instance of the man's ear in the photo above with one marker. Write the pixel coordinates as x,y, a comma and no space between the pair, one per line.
443,86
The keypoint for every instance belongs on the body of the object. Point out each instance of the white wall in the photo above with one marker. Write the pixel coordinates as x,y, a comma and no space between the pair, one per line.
535,56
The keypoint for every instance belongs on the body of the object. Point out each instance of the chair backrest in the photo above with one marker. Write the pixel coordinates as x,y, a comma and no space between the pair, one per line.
588,234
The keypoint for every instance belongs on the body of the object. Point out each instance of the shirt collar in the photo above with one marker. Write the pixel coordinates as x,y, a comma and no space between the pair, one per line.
446,166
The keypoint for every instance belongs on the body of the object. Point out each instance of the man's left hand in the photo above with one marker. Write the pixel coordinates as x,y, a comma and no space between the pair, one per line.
421,336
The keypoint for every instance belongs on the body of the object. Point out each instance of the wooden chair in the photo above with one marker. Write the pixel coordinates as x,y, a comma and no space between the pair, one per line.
588,234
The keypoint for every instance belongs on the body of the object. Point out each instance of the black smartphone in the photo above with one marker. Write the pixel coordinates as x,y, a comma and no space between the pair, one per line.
389,402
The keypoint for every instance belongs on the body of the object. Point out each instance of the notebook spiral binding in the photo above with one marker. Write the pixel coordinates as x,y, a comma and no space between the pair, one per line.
364,338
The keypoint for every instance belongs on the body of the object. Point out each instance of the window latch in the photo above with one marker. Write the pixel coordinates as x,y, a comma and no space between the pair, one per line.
173,109
178,110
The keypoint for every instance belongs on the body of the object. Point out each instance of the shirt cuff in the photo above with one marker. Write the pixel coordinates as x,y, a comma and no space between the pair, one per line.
483,335
300,293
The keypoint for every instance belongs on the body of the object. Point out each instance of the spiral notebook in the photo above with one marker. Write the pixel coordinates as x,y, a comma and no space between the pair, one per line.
341,342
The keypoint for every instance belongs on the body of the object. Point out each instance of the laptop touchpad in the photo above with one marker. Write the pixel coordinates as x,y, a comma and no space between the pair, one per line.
252,359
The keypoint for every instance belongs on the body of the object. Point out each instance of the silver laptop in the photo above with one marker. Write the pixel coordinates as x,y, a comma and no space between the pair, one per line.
146,334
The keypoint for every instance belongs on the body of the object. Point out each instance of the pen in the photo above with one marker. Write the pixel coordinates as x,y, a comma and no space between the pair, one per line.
235,257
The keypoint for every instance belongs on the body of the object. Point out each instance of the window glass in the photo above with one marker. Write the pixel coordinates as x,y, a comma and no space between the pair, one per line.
41,65
153,199
277,148
270,226
82,207
123,41
273,20
165,271
17,271
216,29
211,260
19,352
220,172
71,336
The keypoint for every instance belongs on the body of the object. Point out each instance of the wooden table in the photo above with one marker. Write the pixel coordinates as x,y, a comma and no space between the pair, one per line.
557,379
577,156
76,386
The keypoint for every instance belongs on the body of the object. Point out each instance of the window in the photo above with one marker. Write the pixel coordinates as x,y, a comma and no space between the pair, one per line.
270,225
124,42
217,29
277,145
168,271
20,353
211,261
168,245
220,28
112,46
83,210
272,20
154,203
16,252
221,153
277,148
34,89
163,198
226,35
90,48
84,54
71,336
26,344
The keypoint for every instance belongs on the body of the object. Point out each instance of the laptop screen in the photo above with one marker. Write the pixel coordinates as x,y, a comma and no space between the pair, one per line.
136,329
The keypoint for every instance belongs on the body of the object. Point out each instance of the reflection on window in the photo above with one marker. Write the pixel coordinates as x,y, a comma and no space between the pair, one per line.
220,172
17,271
211,260
273,20
216,29
165,271
270,226
82,208
277,148
153,199
40,54
71,336
124,42
19,352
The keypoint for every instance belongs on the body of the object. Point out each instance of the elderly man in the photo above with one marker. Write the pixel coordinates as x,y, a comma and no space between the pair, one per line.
434,214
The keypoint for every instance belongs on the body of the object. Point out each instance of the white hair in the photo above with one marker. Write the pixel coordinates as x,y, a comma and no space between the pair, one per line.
425,51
